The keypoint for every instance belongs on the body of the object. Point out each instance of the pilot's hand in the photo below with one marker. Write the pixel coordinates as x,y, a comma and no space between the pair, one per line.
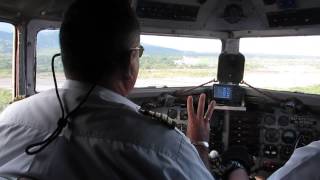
198,123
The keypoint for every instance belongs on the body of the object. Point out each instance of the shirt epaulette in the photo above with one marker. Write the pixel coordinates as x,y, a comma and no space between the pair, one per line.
163,118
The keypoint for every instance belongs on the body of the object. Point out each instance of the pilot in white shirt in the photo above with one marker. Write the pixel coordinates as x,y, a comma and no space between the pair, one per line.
106,138
303,164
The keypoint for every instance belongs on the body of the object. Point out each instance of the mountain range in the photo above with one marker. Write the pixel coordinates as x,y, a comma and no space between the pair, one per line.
49,40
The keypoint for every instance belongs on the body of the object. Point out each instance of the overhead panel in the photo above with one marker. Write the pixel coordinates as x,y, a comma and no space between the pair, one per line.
167,11
178,17
206,18
294,17
292,13
231,15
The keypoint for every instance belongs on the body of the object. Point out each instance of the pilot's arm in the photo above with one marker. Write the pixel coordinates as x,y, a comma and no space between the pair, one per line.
198,131
199,126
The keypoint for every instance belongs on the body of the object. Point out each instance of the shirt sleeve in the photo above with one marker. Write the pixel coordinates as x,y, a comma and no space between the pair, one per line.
190,162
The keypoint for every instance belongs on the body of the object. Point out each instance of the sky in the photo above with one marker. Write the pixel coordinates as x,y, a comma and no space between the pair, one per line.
184,44
6,27
303,45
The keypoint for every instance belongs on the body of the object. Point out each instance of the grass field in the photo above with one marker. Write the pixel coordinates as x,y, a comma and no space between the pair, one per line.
5,98
309,89
5,73
167,73
277,73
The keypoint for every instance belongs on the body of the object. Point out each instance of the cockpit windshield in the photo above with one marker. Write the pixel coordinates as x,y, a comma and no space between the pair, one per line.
277,63
283,63
177,61
166,62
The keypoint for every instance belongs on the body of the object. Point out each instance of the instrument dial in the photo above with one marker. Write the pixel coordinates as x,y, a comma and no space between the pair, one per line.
172,113
272,135
269,120
289,136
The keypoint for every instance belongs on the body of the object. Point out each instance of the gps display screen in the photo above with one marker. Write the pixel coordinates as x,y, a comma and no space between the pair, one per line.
222,92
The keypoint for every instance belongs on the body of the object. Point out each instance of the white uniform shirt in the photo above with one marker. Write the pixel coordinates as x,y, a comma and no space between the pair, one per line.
109,140
304,164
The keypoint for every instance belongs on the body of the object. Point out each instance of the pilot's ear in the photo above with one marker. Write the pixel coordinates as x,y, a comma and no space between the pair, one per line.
133,67
127,63
131,63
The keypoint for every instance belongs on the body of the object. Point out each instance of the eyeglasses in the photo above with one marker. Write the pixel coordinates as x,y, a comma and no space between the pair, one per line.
140,48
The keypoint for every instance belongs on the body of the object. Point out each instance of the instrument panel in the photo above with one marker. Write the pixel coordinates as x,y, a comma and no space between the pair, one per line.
270,134
282,132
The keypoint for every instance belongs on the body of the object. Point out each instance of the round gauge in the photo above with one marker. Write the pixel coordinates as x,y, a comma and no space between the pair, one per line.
269,120
283,121
286,151
172,113
289,136
272,135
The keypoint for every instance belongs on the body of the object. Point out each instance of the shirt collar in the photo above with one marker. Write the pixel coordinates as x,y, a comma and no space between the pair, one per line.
102,92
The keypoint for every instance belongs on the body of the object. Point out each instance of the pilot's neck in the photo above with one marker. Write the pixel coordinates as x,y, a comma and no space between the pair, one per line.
120,86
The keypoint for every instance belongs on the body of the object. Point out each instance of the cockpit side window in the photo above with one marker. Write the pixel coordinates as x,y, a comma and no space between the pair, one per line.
6,48
283,63
47,47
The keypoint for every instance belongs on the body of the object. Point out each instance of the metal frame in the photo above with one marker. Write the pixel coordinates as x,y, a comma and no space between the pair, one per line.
33,28
310,31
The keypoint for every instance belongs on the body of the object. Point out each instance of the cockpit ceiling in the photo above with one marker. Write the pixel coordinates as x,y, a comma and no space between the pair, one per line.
20,10
194,16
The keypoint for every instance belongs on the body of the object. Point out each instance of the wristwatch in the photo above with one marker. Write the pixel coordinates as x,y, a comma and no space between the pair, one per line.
201,143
